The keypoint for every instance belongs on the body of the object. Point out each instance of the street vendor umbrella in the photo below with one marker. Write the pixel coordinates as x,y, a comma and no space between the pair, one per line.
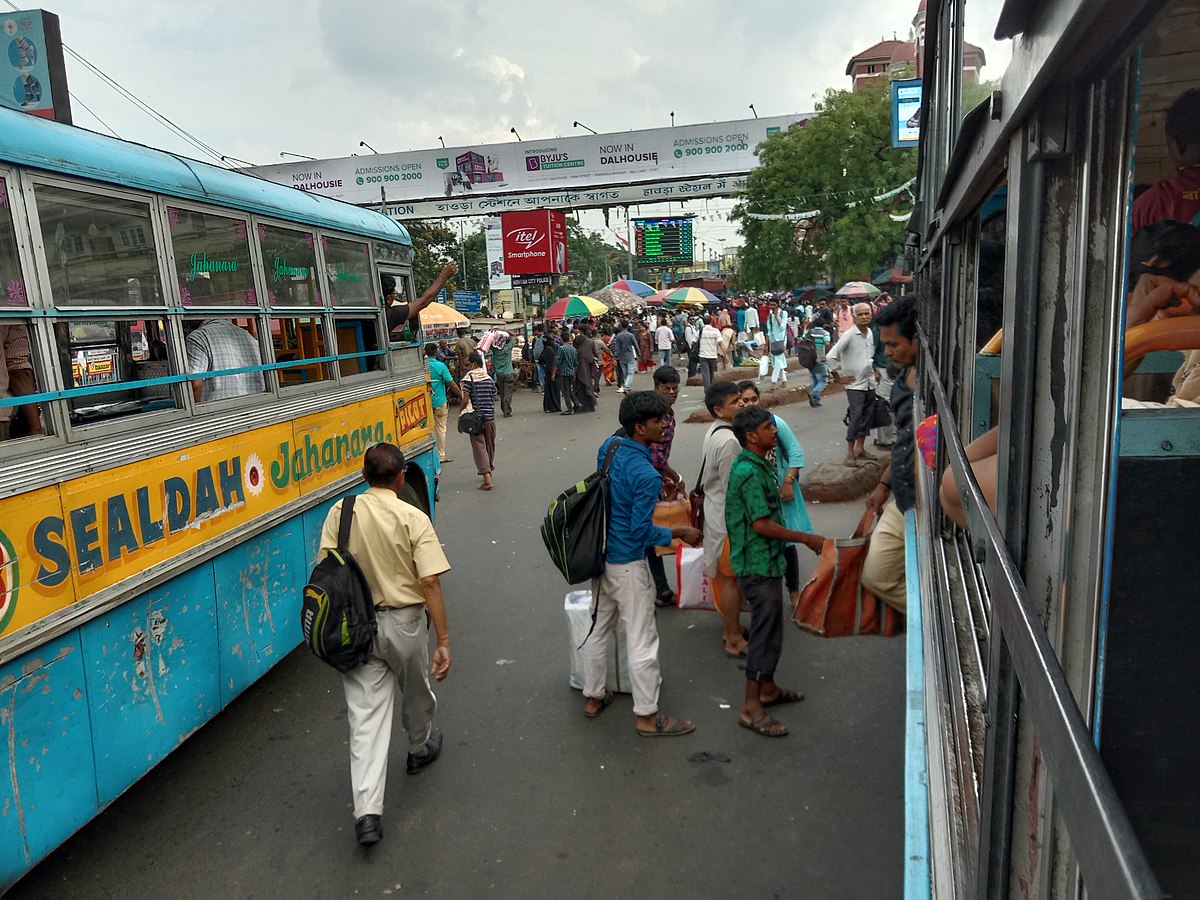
633,286
656,299
441,314
690,296
575,306
857,289
616,298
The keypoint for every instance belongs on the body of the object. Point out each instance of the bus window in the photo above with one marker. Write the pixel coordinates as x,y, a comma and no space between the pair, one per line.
126,356
290,260
358,336
212,259
99,250
12,282
348,264
221,345
294,341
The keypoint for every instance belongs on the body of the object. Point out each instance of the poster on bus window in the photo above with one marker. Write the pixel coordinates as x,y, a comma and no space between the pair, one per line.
906,112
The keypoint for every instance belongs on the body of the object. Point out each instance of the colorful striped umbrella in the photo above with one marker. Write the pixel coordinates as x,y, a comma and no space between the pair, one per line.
658,298
575,306
634,287
859,289
690,296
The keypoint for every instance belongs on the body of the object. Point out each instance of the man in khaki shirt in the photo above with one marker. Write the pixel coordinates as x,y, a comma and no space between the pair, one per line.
395,545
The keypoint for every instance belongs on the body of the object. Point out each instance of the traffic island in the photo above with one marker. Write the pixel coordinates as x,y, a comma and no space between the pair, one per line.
835,482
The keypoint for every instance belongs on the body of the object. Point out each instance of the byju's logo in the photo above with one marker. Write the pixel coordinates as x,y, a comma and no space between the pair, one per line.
525,238
533,164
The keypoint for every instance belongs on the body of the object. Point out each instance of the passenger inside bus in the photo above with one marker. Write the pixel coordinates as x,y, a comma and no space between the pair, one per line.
1176,197
17,380
399,313
217,344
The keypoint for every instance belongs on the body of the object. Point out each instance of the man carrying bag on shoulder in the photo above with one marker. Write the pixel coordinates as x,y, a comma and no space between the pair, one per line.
625,589
401,559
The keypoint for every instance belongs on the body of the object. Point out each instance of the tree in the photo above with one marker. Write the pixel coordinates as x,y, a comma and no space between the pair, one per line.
474,254
589,258
833,166
433,245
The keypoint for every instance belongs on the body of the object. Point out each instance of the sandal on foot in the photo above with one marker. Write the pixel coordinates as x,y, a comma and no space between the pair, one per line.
764,725
666,598
740,654
608,698
785,695
852,461
668,726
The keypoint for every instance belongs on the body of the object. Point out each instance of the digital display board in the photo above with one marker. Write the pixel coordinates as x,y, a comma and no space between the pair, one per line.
663,242
906,113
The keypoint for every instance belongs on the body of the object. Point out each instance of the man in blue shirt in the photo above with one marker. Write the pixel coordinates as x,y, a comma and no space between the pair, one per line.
440,380
625,589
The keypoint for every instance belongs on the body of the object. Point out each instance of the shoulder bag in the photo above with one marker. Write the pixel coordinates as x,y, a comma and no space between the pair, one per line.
470,422
696,497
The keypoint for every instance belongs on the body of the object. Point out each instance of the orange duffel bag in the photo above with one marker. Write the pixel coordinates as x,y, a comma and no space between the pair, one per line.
834,603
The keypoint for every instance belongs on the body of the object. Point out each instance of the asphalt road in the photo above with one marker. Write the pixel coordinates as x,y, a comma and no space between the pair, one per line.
530,799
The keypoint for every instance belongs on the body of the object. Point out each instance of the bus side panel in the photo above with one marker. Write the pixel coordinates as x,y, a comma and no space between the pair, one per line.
152,677
258,604
48,782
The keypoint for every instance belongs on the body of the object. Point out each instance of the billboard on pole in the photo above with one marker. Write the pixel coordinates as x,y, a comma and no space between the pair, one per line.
535,242
493,239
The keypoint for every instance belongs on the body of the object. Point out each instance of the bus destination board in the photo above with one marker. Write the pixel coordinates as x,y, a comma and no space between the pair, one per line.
663,242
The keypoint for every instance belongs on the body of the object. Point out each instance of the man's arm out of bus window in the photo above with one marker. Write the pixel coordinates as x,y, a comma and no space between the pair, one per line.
426,298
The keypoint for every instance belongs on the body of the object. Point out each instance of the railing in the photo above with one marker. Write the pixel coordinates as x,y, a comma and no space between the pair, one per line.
1110,858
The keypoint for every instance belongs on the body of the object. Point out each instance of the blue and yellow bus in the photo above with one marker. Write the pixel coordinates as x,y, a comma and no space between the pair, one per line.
1055,681
194,362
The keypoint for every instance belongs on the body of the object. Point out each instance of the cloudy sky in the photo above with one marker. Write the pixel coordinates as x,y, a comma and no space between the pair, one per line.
253,78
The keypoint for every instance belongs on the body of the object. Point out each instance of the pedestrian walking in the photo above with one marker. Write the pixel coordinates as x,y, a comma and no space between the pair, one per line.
585,373
757,538
776,334
440,381
480,392
624,347
550,393
853,356
710,347
566,361
625,591
500,352
818,374
538,344
402,560
664,338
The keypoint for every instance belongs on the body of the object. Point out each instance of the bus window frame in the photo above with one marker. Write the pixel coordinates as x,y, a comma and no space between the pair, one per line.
167,203
318,263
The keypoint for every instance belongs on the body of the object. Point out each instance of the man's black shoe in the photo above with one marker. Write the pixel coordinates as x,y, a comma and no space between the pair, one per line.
368,830
433,748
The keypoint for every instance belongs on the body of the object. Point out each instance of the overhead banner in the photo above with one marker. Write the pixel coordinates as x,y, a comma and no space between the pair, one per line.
626,195
574,163
493,239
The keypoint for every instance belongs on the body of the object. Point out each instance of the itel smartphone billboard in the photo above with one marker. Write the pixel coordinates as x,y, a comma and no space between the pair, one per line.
535,243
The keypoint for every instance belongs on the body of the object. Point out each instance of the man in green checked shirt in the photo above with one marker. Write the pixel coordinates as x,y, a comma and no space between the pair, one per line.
757,536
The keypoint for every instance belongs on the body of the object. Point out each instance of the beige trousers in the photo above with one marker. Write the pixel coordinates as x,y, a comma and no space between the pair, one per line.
624,591
440,415
883,570
399,658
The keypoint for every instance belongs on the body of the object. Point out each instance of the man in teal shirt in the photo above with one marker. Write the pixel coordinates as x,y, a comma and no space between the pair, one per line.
502,368
757,539
440,380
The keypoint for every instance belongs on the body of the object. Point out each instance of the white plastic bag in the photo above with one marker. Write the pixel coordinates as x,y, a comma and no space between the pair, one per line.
764,364
578,605
694,590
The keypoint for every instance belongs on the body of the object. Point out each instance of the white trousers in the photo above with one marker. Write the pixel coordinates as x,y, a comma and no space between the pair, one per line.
399,658
778,368
624,591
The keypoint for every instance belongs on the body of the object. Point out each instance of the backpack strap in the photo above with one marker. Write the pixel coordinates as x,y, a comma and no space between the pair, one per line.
704,458
345,522
610,453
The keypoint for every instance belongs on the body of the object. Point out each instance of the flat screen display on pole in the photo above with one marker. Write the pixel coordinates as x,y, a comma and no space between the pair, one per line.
663,242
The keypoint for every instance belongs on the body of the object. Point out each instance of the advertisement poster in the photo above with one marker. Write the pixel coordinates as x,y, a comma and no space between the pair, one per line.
906,112
653,154
493,238
32,73
535,242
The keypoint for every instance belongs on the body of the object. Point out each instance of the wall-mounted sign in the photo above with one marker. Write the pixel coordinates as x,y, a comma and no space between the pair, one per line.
493,239
467,301
33,75
906,112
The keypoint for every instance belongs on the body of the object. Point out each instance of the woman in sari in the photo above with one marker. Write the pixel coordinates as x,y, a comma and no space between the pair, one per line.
645,347
585,395
550,399
608,362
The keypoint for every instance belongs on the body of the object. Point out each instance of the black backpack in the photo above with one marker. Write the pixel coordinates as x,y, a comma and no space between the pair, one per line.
575,530
806,352
337,615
